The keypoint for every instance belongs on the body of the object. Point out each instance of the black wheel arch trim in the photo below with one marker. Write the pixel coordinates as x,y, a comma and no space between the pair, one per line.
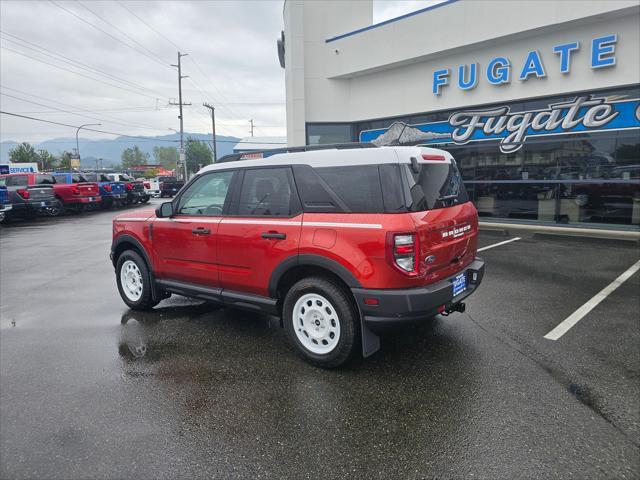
131,239
312,260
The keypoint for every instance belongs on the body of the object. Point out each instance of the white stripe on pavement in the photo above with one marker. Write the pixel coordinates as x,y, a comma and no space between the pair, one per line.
564,326
498,244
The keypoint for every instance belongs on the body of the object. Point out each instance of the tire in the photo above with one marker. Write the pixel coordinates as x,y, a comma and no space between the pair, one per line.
132,269
55,210
325,336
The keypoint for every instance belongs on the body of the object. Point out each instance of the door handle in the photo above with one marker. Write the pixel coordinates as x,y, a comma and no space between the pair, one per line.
201,231
275,235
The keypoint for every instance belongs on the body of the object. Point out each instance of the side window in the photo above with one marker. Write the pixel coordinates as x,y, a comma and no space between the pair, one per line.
357,186
206,196
61,178
17,181
267,192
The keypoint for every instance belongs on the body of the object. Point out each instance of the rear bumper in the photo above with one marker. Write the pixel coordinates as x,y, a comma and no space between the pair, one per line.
31,206
5,207
412,304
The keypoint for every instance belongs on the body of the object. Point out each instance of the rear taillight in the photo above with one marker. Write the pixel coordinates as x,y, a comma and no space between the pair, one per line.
24,193
129,186
75,190
403,252
107,188
147,185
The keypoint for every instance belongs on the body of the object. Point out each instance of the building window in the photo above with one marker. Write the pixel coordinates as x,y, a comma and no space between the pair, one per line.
322,133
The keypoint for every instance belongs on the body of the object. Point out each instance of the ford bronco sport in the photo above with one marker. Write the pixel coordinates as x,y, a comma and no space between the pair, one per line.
340,243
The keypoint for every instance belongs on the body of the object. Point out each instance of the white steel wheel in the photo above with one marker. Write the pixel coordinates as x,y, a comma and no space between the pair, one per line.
131,280
316,323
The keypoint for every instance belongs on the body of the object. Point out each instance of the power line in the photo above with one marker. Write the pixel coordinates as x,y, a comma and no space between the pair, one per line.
71,61
108,34
77,73
122,32
148,26
117,122
131,136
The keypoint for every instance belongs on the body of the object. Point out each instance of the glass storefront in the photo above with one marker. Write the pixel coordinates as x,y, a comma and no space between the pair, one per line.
579,177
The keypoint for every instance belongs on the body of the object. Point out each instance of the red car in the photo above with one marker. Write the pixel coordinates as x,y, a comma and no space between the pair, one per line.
74,192
341,244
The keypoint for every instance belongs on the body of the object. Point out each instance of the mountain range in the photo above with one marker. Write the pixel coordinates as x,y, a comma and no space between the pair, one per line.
110,150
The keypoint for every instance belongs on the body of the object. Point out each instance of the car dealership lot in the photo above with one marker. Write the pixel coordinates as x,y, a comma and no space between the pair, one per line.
90,389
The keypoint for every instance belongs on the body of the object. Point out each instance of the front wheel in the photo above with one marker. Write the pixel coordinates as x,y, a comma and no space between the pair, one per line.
134,281
321,321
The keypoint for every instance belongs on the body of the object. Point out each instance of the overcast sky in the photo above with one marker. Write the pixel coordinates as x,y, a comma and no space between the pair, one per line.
108,62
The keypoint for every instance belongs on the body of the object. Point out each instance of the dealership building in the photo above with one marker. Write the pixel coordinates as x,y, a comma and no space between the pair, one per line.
537,101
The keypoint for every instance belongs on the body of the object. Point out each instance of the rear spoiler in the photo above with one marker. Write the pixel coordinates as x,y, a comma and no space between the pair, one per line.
260,154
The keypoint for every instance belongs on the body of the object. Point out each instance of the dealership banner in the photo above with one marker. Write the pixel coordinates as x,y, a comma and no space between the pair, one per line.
580,115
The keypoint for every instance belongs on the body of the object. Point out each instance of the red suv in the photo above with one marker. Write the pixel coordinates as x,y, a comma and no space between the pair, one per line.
341,244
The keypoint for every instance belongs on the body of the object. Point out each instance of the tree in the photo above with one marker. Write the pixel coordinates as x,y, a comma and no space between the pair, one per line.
166,156
152,173
64,161
197,154
23,153
134,156
46,159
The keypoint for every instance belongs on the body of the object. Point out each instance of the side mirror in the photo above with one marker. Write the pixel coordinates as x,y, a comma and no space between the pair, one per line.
165,210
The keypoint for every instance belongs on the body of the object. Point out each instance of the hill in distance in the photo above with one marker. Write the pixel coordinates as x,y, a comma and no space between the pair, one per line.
110,150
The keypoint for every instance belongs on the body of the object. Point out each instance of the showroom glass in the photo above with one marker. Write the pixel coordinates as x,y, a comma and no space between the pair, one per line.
206,196
266,192
583,178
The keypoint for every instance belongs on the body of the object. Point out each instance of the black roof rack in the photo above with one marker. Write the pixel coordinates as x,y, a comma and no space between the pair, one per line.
260,154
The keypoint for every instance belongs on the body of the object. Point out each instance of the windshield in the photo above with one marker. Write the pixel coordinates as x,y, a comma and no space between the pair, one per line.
435,185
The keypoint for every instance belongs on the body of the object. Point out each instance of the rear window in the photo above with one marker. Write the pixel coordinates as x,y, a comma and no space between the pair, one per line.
17,181
433,186
61,178
91,177
45,180
77,178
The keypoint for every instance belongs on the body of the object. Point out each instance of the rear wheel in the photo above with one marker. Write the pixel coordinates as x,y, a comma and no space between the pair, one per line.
321,321
55,209
134,281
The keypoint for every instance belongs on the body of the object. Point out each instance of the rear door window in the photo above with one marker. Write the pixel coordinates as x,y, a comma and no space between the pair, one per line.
433,186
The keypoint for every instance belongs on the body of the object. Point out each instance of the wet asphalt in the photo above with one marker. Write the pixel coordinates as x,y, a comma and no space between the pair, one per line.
90,389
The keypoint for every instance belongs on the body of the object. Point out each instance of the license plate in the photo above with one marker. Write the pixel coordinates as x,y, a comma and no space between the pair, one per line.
91,199
459,284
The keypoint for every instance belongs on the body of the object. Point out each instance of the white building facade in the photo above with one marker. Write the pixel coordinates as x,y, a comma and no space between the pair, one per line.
538,101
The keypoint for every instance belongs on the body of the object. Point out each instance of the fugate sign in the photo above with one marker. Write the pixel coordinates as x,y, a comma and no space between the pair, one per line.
498,70
582,114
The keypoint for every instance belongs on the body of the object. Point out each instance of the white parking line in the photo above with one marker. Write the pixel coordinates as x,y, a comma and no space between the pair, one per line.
498,244
564,326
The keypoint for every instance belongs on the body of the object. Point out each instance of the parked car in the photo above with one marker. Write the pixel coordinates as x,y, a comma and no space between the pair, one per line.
112,193
134,188
75,193
5,206
152,187
340,243
169,186
30,194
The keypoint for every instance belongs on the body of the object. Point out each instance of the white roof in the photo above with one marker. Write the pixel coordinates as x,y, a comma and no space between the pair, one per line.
259,143
339,157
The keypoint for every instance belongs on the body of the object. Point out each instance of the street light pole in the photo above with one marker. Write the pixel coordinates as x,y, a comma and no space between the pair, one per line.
78,131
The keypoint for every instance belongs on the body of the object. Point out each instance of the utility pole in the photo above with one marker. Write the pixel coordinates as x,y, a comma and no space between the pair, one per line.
180,104
251,122
213,125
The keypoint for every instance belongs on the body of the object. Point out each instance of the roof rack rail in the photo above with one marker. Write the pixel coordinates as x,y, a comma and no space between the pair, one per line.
260,154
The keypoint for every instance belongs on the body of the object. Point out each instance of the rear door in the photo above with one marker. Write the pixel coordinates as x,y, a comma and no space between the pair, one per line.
445,220
185,245
262,230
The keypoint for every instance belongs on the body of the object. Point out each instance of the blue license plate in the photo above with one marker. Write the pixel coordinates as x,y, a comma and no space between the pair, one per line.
459,284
